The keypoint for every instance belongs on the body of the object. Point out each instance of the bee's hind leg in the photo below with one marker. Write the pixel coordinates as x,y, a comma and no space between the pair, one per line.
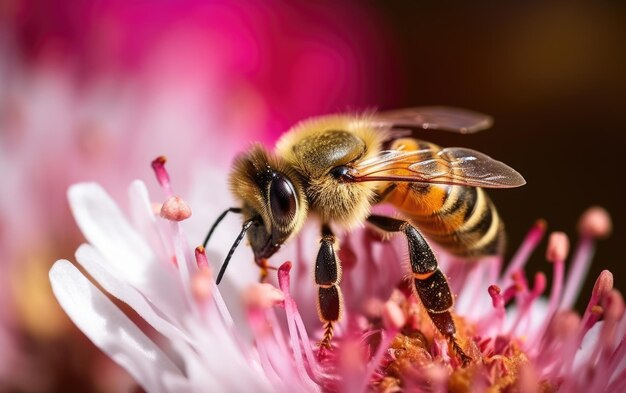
430,283
327,278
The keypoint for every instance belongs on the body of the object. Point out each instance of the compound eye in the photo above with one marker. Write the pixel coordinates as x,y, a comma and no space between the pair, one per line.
282,200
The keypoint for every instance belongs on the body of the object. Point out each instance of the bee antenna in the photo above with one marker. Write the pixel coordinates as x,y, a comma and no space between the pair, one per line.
219,219
246,226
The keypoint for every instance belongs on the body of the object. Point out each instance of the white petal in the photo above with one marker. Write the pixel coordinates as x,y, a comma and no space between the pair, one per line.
90,259
110,329
142,215
128,256
221,362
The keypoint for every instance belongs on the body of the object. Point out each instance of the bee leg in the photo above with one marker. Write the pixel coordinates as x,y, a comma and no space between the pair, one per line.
327,278
430,283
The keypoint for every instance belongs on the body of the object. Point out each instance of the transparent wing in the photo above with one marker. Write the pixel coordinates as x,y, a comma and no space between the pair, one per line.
435,118
454,165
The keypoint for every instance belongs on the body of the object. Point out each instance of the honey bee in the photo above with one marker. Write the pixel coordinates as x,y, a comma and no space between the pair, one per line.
338,166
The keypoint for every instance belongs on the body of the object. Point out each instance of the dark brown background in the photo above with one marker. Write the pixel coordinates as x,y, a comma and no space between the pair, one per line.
554,78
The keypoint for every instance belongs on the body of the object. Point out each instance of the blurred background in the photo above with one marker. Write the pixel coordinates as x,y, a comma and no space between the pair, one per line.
94,90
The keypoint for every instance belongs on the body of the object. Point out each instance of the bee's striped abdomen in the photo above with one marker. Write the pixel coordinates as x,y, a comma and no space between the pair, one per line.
461,219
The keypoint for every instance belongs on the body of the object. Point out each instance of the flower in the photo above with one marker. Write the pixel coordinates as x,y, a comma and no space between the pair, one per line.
89,91
192,341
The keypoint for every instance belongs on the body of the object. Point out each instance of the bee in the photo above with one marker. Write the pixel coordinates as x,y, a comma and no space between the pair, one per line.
337,167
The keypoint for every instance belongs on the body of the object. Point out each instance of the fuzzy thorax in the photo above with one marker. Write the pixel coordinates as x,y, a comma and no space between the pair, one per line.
347,204
316,146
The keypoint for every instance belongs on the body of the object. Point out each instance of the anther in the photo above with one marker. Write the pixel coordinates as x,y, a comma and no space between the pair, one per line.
175,209
201,259
595,223
496,298
158,165
558,247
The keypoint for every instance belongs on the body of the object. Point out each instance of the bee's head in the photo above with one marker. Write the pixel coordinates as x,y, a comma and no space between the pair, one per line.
272,196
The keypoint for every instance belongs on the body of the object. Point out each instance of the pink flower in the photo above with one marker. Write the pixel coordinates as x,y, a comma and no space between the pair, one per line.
92,91
265,338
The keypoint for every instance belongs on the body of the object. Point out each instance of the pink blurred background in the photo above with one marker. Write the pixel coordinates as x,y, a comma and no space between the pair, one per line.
96,90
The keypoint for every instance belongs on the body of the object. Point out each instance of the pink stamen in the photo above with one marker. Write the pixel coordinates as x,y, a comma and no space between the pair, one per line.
496,299
158,165
595,223
291,311
524,310
222,308
201,259
202,285
521,284
613,305
509,293
577,272
602,286
593,313
308,351
494,320
265,346
175,209
279,337
558,248
529,244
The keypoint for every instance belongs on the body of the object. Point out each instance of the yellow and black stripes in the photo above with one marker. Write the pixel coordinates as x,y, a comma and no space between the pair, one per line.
461,219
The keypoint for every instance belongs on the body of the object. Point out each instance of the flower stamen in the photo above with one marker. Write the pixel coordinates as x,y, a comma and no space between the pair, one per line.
158,165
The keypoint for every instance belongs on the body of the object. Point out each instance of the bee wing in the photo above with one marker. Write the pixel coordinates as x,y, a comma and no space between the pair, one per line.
435,118
453,165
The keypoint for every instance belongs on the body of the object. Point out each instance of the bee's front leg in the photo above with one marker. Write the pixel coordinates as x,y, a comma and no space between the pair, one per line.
430,282
327,278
